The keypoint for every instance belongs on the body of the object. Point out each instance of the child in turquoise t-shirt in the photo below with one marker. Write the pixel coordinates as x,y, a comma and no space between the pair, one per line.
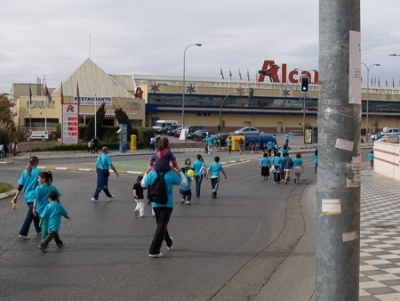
213,171
41,198
52,215
371,159
186,192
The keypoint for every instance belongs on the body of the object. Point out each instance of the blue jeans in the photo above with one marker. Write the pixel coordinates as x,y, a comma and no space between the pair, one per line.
102,184
28,220
198,180
163,214
214,184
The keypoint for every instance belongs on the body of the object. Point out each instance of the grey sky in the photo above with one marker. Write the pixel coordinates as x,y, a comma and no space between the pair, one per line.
51,37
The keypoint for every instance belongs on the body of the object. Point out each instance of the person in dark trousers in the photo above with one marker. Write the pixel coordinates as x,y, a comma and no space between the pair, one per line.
316,160
29,181
157,140
15,148
52,215
163,212
95,145
371,159
103,164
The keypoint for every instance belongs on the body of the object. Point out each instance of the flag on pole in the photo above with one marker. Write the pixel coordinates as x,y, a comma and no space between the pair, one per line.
30,94
379,82
240,74
62,95
386,81
248,75
47,94
393,82
77,94
222,74
79,102
230,73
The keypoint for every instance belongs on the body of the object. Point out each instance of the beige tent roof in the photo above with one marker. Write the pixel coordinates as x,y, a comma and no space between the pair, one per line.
92,81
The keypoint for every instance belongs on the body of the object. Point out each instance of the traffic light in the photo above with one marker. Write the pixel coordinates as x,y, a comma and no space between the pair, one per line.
223,123
251,93
304,84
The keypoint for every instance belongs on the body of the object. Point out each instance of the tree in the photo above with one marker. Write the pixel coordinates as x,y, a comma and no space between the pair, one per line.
7,124
101,112
123,118
6,115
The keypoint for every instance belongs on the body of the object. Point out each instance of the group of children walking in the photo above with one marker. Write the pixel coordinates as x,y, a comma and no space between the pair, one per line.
163,160
44,208
281,165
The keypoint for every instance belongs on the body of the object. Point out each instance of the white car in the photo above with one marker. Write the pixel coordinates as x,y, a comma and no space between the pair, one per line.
247,130
391,132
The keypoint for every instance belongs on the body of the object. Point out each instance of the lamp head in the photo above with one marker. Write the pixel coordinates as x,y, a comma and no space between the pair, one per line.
198,44
377,65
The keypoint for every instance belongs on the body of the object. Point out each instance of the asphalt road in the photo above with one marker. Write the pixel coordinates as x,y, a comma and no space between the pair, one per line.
224,249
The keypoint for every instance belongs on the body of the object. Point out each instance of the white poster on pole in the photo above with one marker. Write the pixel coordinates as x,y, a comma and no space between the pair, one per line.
70,125
355,67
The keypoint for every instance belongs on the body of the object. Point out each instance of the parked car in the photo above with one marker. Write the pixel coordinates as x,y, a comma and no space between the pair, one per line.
193,128
160,125
176,132
377,136
247,130
200,135
391,132
169,129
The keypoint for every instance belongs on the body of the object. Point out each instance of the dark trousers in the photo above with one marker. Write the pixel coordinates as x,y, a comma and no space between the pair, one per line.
102,184
277,176
198,180
214,184
28,220
163,214
50,237
186,195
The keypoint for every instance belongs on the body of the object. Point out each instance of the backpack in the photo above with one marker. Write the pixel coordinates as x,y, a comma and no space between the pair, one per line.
203,169
157,190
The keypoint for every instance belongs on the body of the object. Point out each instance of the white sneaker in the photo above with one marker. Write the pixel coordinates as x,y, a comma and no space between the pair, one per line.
94,200
24,237
156,255
111,198
172,242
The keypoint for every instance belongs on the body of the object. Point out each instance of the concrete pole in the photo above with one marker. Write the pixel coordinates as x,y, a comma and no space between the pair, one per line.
339,123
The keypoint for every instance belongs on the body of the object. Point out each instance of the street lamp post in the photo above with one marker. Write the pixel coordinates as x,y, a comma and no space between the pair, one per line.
183,85
367,109
220,118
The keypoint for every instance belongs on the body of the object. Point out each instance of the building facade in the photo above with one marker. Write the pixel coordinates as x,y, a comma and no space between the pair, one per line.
273,102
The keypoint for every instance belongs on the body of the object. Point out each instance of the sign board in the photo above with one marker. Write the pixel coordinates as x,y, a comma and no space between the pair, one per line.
40,135
70,125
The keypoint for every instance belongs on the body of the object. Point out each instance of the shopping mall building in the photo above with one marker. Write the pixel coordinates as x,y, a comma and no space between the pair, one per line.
276,105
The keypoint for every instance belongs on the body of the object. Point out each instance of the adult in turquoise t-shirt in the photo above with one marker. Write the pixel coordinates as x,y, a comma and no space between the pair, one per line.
163,211
28,181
